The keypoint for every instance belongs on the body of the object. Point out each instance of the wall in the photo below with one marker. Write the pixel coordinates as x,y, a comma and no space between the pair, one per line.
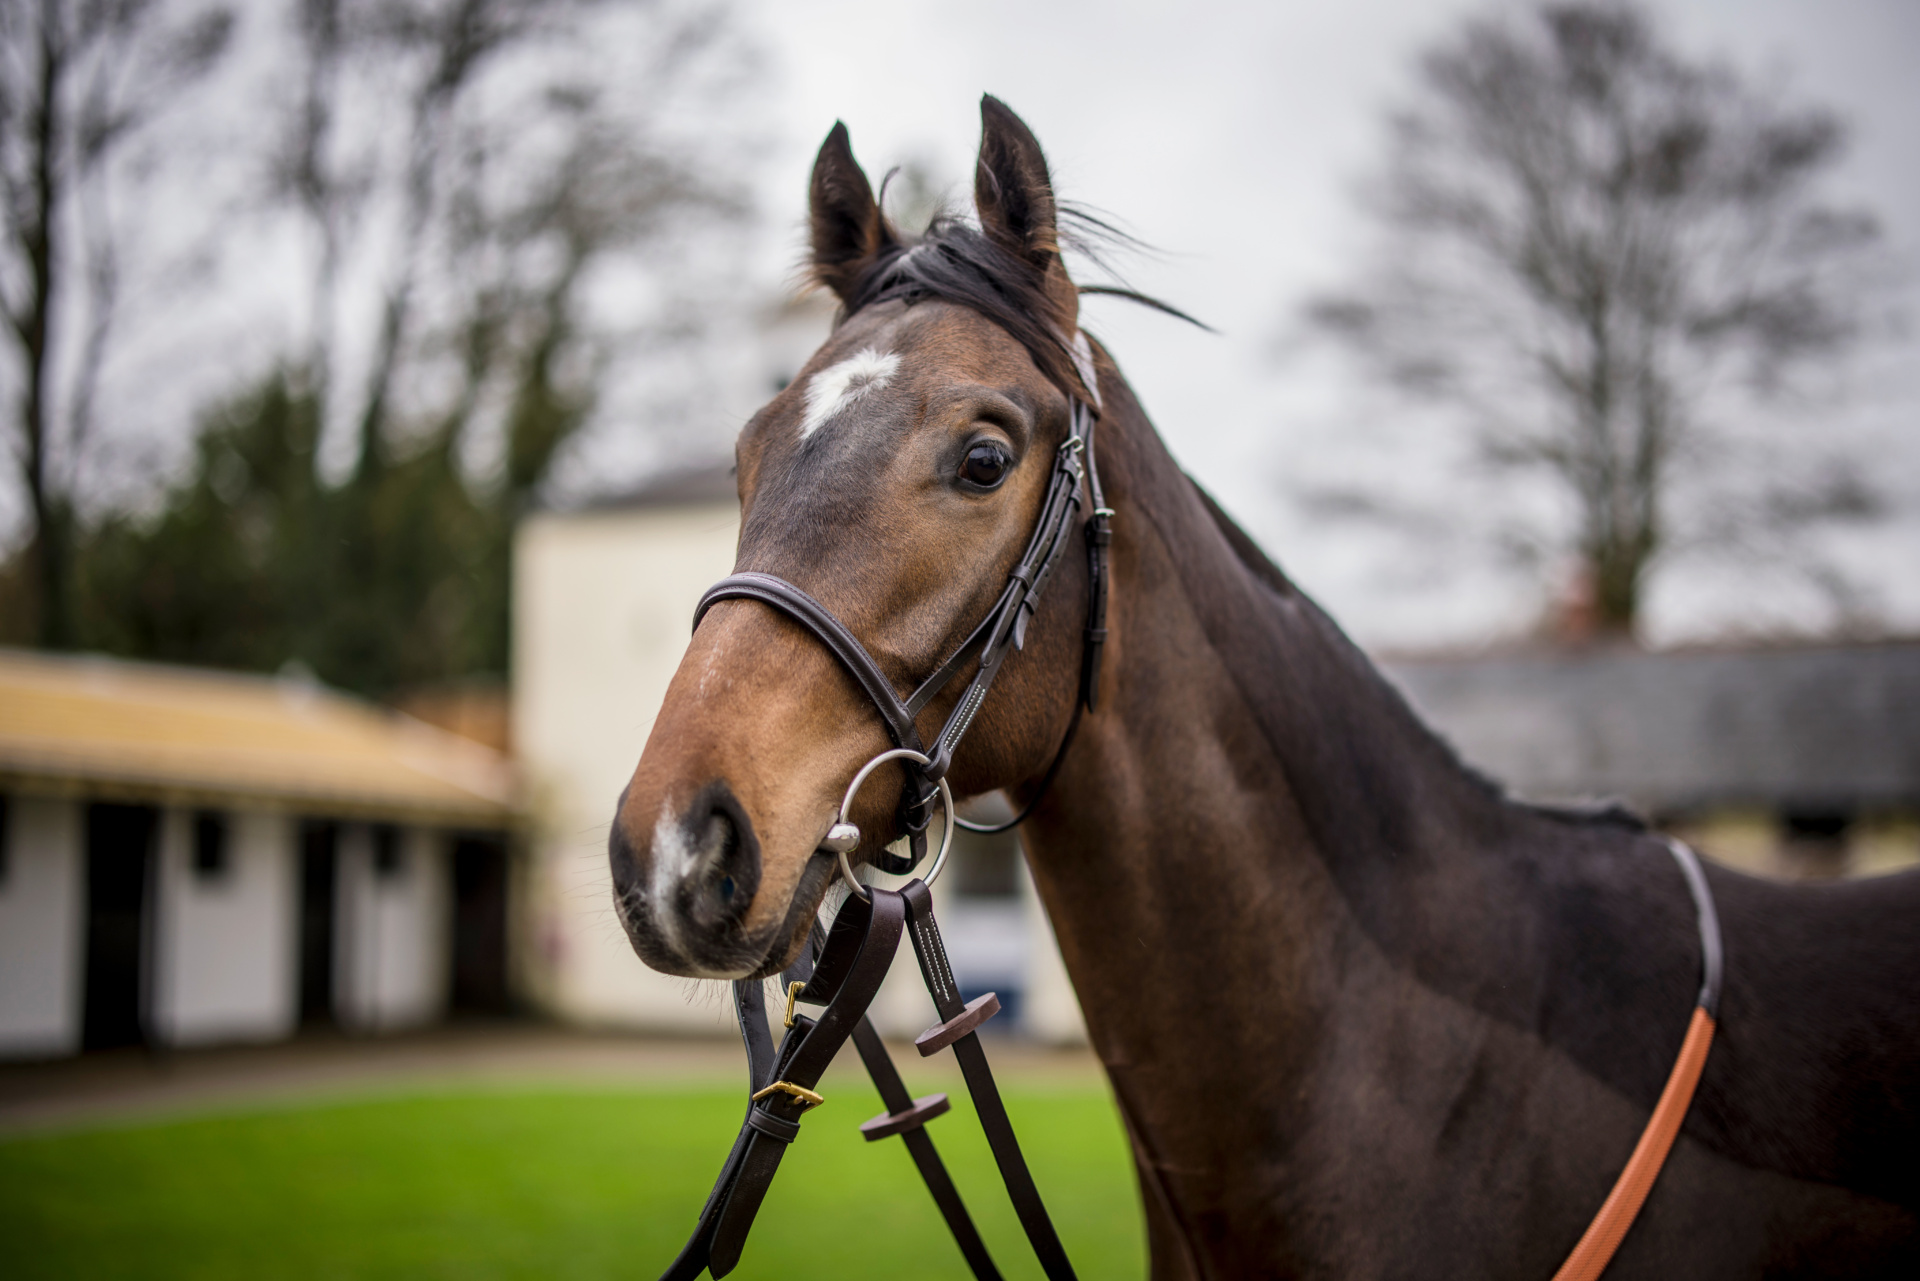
391,943
225,950
1752,840
1052,1008
42,902
603,605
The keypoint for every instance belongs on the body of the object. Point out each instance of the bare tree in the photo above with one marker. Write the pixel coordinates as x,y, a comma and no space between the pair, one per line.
470,175
78,81
493,168
1593,247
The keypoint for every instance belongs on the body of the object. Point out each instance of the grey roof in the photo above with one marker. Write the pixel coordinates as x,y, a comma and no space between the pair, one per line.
1829,727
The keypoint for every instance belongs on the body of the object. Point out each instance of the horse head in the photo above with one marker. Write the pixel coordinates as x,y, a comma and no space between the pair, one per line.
897,480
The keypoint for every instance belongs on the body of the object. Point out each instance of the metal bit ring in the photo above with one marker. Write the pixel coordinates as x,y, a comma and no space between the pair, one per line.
843,837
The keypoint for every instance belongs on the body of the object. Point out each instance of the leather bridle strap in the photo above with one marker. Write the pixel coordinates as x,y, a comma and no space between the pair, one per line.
749,1008
1099,537
829,631
858,953
855,957
1609,1227
916,807
926,1158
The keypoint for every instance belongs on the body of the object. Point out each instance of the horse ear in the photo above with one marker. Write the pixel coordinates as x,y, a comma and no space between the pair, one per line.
847,228
1011,188
1014,197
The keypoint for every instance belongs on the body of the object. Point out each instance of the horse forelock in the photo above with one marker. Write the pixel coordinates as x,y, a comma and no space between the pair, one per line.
955,262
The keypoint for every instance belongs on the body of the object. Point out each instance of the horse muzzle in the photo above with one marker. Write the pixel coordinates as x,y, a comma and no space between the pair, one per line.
684,884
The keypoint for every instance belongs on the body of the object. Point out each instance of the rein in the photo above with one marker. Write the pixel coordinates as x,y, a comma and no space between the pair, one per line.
842,969
844,973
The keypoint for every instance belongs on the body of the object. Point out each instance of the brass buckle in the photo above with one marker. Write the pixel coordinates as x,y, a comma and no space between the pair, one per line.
800,1092
793,990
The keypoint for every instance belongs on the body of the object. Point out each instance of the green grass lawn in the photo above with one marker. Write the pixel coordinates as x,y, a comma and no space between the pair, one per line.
554,1181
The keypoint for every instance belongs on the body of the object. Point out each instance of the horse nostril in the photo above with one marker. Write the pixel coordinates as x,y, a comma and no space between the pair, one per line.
622,860
720,890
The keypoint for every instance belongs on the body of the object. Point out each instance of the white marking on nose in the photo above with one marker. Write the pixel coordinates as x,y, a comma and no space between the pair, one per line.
672,860
839,386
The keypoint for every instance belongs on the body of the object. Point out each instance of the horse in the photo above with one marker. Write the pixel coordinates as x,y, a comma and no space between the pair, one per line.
1363,1013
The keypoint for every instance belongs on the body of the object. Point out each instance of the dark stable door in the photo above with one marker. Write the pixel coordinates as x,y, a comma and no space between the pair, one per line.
119,874
480,924
318,844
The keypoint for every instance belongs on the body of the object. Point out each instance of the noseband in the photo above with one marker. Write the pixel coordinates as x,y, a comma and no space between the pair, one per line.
1073,487
842,968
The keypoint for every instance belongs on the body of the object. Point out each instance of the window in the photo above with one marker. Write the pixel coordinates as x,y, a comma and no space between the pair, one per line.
389,856
210,856
1813,843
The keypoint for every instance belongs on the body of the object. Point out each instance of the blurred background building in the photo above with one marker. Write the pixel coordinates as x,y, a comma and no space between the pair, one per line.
1792,762
396,363
191,857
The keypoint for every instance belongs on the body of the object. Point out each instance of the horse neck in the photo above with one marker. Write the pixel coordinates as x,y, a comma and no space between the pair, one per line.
1248,789
1205,624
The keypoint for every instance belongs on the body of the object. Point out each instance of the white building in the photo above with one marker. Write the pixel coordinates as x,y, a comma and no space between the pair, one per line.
189,857
603,606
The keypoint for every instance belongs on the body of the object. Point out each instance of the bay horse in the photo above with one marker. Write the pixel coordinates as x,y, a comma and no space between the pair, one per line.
1364,1015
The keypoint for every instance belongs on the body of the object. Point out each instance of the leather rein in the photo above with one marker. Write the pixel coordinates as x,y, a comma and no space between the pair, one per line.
842,968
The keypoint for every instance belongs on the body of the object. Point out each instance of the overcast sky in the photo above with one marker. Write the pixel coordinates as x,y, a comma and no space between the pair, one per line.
1231,136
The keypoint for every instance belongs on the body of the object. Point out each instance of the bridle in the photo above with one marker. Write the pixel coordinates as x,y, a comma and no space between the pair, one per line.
841,969
1073,487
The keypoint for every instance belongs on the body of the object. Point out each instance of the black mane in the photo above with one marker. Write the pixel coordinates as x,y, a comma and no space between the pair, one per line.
954,262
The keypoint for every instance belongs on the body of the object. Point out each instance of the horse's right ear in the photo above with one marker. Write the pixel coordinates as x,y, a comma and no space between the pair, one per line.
847,227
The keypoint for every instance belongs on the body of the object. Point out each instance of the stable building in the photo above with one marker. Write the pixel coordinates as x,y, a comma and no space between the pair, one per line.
1794,761
191,857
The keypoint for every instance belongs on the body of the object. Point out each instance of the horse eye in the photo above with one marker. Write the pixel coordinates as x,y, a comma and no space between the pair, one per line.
986,465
